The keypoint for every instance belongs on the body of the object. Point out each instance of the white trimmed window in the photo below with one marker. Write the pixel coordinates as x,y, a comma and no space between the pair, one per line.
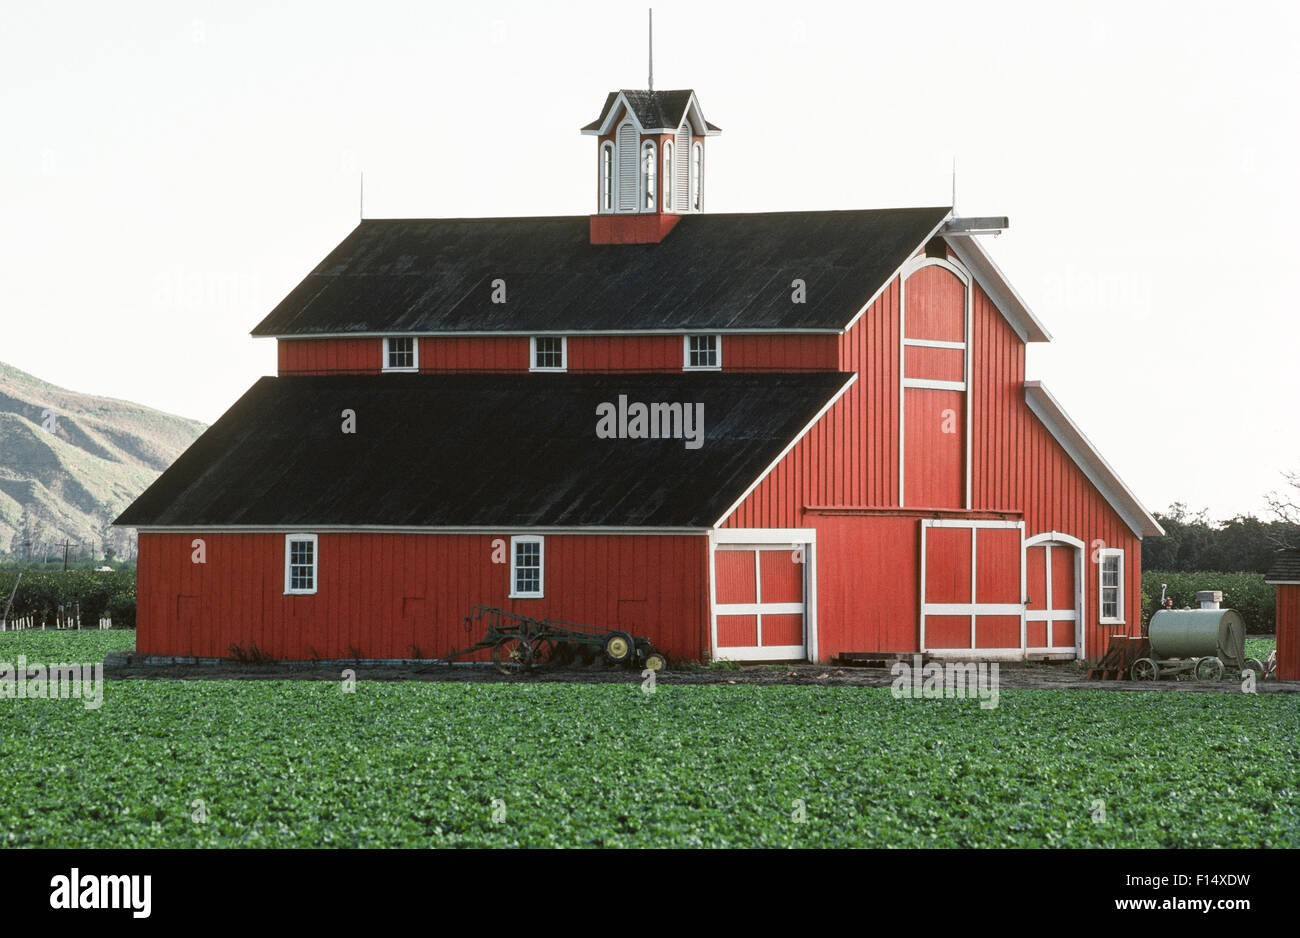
697,177
548,353
649,175
1111,579
300,564
668,176
527,556
401,353
702,353
607,177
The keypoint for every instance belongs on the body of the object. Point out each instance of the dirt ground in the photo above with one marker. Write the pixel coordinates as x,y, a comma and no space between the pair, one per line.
1011,676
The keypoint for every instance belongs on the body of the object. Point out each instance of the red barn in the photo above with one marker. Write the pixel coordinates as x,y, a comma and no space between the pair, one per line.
758,436
1284,575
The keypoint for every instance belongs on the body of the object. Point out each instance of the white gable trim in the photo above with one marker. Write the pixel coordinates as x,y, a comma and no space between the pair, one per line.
693,112
993,282
893,277
620,105
1048,410
791,445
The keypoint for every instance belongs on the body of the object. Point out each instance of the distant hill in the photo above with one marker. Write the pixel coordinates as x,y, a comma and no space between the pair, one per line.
69,462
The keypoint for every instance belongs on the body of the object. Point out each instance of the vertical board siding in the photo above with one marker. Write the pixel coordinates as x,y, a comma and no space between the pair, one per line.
586,353
382,595
1288,633
868,564
317,356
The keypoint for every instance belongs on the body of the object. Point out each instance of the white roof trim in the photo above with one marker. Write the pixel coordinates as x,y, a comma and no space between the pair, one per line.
991,279
1282,582
692,106
1047,409
911,257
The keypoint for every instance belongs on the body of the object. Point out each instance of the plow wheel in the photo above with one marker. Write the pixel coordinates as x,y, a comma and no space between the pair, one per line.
618,647
546,652
1144,669
512,655
1209,669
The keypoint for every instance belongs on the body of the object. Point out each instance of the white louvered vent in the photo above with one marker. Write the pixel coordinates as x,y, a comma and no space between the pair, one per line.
627,168
681,155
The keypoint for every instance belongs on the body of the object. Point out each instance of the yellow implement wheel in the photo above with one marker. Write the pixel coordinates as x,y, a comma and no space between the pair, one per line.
655,662
618,647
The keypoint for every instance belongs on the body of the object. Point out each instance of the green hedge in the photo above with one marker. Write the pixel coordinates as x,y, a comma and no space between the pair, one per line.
1247,593
41,593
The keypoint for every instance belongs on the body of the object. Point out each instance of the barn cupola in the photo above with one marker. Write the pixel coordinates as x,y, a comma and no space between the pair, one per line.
649,164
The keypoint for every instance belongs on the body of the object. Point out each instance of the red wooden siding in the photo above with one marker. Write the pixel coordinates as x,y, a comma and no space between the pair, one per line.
474,353
1288,633
934,457
850,457
1017,465
381,595
936,364
848,463
936,305
312,356
585,353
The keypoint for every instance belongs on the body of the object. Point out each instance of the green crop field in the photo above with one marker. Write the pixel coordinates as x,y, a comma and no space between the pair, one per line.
279,763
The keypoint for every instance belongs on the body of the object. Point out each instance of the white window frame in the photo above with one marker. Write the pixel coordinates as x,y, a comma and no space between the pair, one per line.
695,195
541,565
1103,555
606,180
532,353
415,353
666,177
686,352
648,170
289,541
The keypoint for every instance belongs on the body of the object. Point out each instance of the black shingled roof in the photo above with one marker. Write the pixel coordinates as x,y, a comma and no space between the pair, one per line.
654,109
712,272
1285,566
468,450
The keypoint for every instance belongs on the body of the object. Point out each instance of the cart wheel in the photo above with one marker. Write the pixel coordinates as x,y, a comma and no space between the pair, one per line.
1254,664
1209,669
512,655
618,647
1144,669
655,661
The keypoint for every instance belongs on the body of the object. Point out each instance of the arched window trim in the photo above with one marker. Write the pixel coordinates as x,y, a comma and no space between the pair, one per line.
649,172
605,169
666,177
696,194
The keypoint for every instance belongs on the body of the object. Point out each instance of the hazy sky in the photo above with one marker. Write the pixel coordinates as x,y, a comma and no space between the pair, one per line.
169,171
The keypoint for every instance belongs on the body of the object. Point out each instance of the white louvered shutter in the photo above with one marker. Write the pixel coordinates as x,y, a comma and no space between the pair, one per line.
628,170
682,169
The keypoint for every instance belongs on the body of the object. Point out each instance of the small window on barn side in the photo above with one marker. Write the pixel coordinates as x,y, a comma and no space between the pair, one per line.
703,353
1111,602
548,353
526,567
300,564
401,353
